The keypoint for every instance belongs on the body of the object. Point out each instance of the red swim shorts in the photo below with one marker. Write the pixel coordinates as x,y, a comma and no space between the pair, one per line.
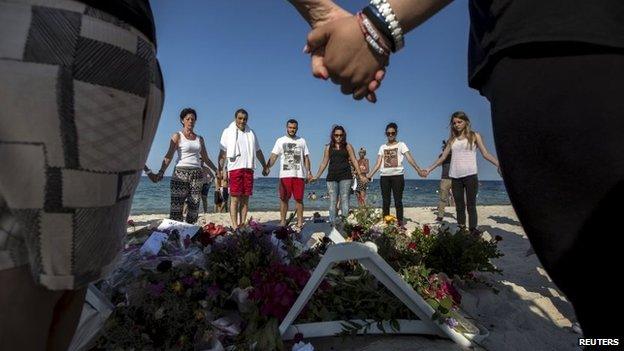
291,187
241,182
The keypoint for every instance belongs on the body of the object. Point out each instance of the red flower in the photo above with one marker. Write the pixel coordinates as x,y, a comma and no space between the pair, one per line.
426,230
411,246
209,232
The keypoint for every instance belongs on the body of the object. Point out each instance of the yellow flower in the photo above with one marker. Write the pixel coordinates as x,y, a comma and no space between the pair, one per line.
177,287
197,274
389,219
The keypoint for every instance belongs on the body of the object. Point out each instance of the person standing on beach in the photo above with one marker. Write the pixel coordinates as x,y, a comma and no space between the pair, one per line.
340,157
392,180
240,148
462,147
362,187
188,175
294,170
444,191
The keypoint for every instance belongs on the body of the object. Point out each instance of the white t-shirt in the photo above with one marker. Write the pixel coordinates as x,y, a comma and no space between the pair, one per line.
291,152
392,158
247,157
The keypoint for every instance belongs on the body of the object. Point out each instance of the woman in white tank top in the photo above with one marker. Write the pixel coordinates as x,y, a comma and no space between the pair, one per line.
464,142
189,175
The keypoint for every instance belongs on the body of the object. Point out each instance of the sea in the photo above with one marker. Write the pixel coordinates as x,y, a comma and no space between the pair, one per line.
154,198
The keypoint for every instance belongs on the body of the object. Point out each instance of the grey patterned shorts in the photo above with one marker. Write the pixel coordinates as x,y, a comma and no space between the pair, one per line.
80,99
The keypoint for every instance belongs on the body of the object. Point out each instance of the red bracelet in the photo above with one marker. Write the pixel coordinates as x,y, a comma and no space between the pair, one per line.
372,36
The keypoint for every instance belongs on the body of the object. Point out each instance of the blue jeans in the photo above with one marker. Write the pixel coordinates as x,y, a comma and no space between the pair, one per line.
343,188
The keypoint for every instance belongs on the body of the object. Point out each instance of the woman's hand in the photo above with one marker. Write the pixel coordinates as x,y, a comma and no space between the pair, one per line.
346,57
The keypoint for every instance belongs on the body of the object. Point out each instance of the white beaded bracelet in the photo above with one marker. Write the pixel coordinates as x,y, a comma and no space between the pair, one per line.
393,24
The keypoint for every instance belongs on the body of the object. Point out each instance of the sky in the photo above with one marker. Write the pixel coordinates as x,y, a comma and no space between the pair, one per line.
218,56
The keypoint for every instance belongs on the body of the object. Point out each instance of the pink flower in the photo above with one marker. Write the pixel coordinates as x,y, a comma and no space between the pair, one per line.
256,226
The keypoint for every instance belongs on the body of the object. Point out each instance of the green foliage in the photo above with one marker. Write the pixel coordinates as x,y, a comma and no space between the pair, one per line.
460,254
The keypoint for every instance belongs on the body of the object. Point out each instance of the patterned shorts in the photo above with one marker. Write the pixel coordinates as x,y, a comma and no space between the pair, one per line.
81,95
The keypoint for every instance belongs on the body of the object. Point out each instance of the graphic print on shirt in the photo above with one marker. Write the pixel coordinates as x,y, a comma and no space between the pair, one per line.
292,157
391,158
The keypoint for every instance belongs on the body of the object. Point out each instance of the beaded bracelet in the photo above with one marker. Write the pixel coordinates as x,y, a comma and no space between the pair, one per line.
379,22
391,22
372,36
372,31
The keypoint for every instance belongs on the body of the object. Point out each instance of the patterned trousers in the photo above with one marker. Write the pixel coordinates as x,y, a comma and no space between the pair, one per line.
186,187
81,95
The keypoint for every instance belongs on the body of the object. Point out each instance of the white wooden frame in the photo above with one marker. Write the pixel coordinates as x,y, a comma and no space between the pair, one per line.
368,257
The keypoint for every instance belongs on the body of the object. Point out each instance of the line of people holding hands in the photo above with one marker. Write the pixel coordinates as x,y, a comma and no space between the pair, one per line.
240,150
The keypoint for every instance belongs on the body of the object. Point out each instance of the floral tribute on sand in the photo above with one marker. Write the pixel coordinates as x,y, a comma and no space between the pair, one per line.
229,290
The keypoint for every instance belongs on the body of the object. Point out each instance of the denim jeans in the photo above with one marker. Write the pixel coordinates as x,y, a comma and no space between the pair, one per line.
343,188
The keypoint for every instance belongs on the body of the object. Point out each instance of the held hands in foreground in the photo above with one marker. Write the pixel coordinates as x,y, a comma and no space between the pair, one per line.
346,58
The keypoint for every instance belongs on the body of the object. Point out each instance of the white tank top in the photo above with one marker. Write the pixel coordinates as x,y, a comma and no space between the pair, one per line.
463,159
188,152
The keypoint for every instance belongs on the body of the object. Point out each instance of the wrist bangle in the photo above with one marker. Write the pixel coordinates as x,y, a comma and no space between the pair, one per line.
378,21
391,23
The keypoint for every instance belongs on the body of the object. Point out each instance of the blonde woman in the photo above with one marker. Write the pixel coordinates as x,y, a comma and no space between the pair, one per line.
462,145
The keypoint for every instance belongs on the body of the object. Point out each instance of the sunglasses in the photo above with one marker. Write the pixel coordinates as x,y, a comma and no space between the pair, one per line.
338,135
390,133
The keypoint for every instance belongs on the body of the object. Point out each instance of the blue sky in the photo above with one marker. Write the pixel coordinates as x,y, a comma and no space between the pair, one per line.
218,56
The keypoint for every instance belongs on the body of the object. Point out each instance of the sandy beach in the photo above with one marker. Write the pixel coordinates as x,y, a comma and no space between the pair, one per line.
527,312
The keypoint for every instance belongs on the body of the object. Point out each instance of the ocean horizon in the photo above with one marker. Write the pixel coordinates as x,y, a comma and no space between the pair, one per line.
154,198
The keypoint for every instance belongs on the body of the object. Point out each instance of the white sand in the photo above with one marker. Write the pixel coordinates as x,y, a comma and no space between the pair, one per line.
528,313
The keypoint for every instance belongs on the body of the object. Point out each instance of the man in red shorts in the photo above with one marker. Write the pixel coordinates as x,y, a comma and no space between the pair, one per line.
240,148
293,152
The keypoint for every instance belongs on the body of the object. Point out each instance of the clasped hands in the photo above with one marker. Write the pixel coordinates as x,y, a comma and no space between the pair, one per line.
339,52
